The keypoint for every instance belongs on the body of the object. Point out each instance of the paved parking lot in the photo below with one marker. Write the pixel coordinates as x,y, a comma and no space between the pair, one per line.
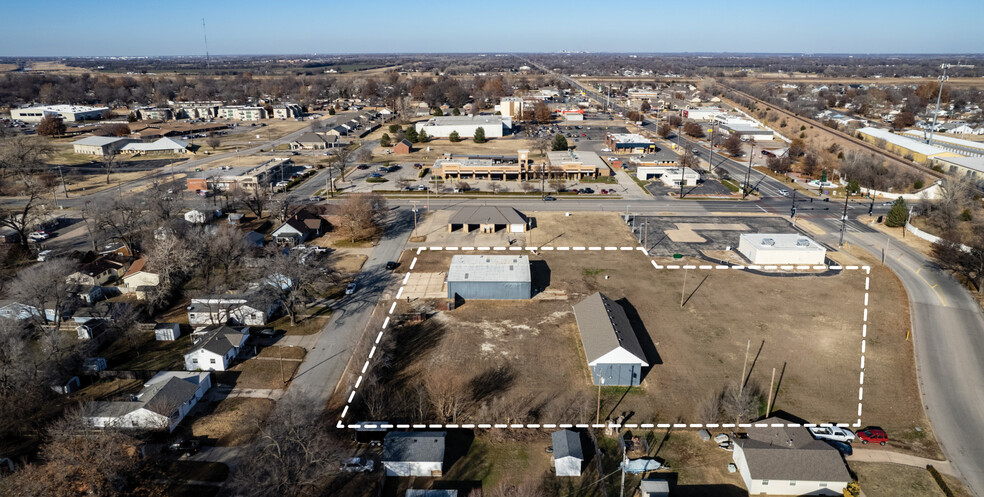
709,186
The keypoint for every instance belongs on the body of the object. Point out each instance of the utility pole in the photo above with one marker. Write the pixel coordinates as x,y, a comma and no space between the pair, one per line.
601,381
939,94
208,63
682,179
65,188
768,405
847,195
748,174
414,202
792,210
683,286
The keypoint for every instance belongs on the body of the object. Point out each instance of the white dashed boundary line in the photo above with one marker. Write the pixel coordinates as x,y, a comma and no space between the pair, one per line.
864,335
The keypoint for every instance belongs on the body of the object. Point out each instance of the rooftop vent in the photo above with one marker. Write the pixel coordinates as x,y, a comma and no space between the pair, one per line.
769,242
802,242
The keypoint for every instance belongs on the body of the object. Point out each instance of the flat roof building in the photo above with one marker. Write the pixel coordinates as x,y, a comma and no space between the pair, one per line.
443,126
781,248
489,277
669,176
574,164
68,113
101,145
611,346
748,132
629,143
702,113
904,145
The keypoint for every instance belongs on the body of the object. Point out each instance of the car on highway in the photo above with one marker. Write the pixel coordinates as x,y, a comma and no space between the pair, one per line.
357,465
831,433
549,198
887,203
316,198
350,288
784,193
38,236
873,435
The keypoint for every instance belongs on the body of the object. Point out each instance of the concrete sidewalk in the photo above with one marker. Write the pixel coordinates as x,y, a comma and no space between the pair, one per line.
878,455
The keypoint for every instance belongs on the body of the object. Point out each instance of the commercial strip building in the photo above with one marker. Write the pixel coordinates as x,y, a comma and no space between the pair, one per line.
611,347
101,145
572,115
487,219
629,143
669,176
561,164
749,132
443,126
489,277
904,145
68,113
163,145
950,143
263,175
703,113
781,248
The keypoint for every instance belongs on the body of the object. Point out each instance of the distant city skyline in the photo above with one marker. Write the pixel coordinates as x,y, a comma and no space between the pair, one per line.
250,27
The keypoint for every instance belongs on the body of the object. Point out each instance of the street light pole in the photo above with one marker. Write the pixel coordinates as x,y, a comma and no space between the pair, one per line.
748,174
939,94
847,195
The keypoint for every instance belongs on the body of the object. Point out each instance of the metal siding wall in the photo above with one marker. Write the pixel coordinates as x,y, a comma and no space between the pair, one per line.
489,291
616,375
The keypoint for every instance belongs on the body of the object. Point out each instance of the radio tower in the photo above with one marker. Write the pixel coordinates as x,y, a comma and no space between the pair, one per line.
208,65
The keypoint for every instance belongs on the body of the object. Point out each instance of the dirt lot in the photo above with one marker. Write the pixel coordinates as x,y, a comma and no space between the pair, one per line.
265,373
808,328
891,480
233,421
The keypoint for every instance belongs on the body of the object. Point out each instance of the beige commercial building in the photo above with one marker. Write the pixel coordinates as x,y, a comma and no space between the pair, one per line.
242,113
568,165
68,113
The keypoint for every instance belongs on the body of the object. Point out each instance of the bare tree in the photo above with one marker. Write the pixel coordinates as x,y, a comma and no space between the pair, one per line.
292,456
160,199
341,158
448,394
173,260
733,145
665,130
43,286
109,161
542,144
32,210
689,159
294,279
362,214
23,155
254,199
121,219
213,140
527,187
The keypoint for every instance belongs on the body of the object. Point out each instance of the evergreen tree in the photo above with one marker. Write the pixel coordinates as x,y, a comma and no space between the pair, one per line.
479,135
559,143
422,136
384,141
411,134
454,137
898,214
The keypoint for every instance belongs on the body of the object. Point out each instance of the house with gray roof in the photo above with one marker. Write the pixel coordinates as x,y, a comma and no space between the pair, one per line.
414,453
215,347
784,460
487,219
164,401
611,346
489,277
568,456
314,141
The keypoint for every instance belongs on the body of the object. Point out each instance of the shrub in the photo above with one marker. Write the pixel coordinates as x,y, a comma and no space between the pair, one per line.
918,185
966,215
802,128
898,214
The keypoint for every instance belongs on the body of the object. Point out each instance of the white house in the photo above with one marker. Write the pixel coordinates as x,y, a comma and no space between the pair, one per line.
165,400
414,453
781,248
196,216
137,276
789,461
215,348
247,310
568,457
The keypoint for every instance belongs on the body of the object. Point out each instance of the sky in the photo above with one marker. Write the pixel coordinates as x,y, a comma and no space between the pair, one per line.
174,27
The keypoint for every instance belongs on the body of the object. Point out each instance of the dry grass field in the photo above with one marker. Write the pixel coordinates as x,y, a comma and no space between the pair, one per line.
521,361
233,421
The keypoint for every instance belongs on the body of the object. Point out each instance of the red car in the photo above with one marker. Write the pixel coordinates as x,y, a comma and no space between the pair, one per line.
873,435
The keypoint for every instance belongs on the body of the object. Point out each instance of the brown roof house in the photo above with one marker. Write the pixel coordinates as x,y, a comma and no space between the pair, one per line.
404,147
783,460
308,223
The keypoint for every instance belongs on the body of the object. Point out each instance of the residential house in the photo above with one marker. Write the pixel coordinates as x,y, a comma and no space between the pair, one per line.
167,332
246,310
300,227
414,453
138,276
786,460
568,456
89,294
337,131
100,271
164,401
215,347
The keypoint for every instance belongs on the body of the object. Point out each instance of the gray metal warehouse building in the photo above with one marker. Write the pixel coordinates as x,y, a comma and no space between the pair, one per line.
489,277
610,344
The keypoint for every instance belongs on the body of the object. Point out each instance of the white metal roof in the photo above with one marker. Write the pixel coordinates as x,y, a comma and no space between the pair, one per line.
490,268
97,141
903,141
782,241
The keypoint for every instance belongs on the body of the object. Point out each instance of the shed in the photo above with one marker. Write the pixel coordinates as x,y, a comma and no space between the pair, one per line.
654,488
403,147
490,277
167,332
94,364
781,248
487,219
610,344
568,457
414,453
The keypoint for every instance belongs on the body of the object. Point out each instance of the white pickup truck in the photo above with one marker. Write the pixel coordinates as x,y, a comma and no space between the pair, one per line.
832,433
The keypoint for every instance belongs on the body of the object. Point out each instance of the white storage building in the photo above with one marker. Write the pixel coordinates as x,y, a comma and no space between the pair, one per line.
781,248
490,277
443,126
568,457
68,113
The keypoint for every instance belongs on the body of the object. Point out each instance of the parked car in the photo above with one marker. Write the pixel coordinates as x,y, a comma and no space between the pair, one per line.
874,435
588,190
38,236
362,166
350,288
421,188
844,448
375,175
316,198
605,191
391,265
187,447
357,465
832,433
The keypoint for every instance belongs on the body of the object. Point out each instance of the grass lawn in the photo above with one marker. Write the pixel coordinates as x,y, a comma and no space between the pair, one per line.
277,352
891,480
492,463
107,389
232,422
306,325
146,353
265,373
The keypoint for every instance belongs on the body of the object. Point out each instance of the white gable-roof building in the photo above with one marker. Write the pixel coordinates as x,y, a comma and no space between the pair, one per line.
165,400
215,348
